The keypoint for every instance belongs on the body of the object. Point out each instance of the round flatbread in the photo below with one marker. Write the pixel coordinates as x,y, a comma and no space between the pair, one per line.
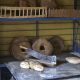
73,60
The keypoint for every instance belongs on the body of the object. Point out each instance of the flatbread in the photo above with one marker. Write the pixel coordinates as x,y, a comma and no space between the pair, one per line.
73,60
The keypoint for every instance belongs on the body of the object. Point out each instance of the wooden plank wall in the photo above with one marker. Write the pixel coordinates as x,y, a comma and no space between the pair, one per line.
62,29
46,30
9,31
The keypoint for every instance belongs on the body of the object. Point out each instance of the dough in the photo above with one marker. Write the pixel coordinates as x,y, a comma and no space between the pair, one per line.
36,66
73,60
24,64
33,64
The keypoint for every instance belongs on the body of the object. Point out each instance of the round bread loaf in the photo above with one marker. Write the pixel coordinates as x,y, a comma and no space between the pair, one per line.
43,46
15,49
58,44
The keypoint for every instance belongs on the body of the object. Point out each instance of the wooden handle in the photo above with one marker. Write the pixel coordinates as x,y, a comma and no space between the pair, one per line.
23,47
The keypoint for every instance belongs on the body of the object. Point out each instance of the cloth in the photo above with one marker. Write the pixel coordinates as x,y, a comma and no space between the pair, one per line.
64,71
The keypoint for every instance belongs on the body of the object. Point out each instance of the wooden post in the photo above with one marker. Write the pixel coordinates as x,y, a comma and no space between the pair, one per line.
31,12
10,12
39,13
1,11
49,11
27,12
5,12
23,12
15,12
19,12
43,12
35,12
